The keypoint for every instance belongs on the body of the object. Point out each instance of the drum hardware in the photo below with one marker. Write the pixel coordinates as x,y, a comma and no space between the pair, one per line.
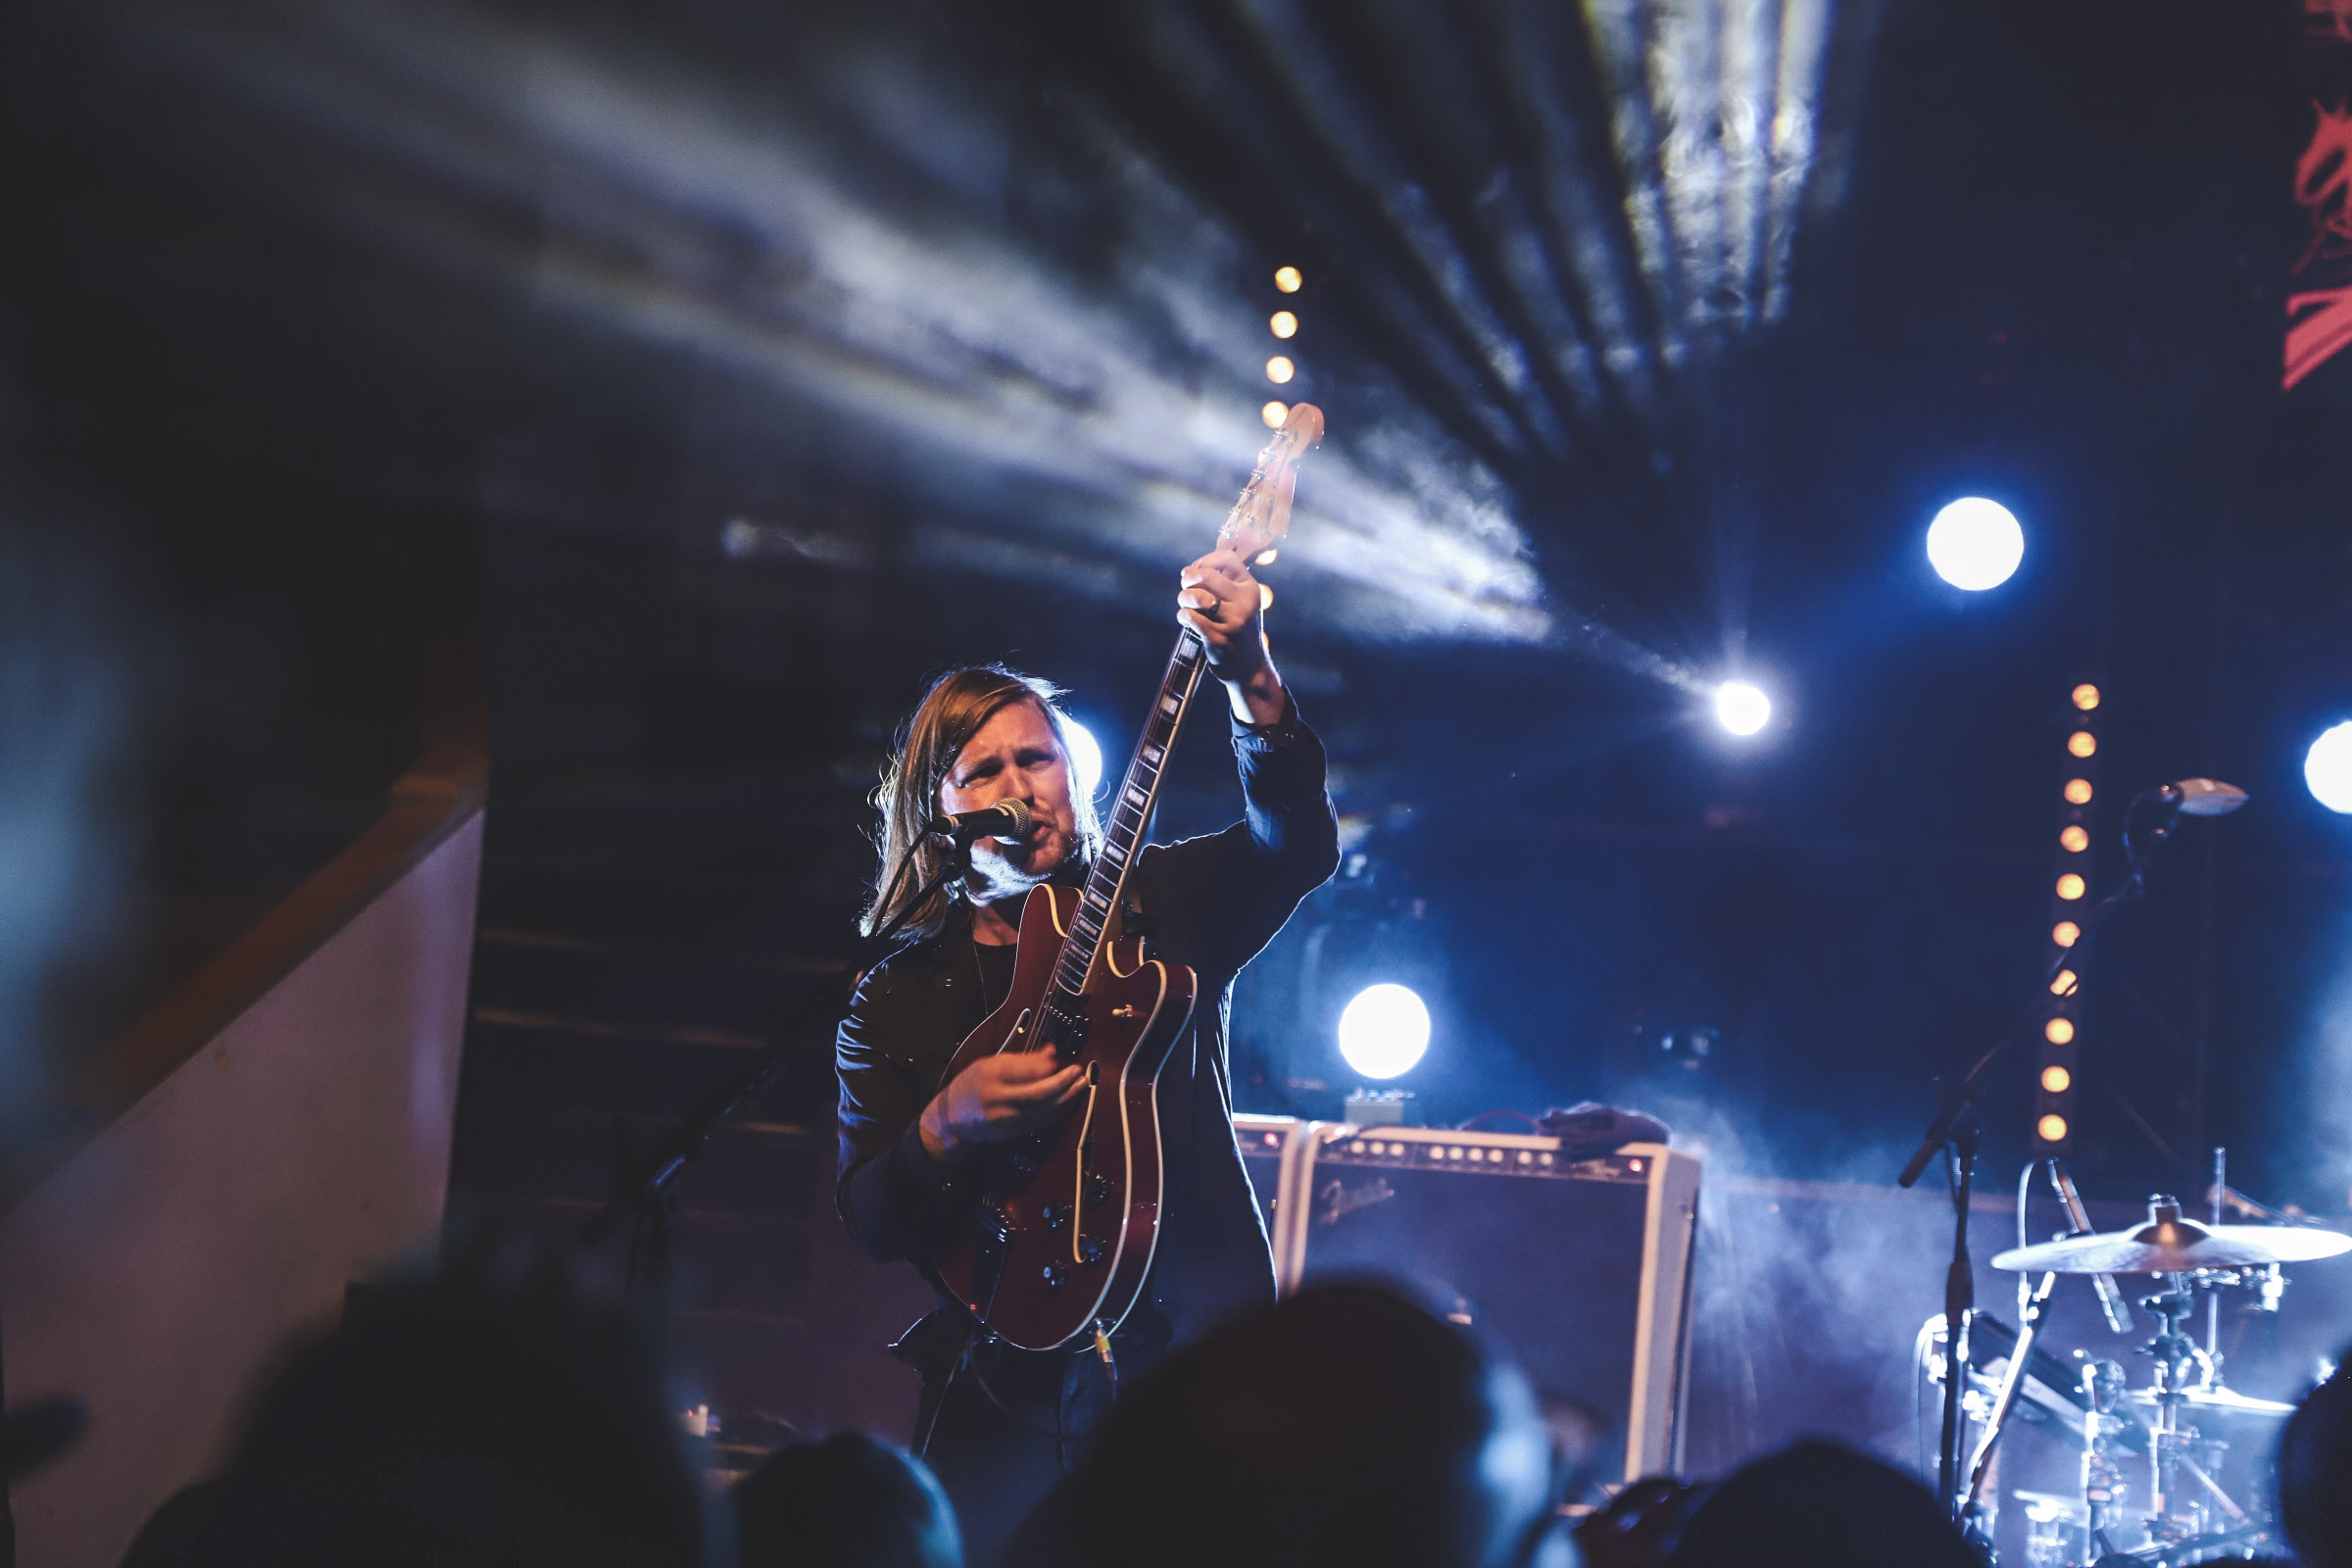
2227,1402
2104,1490
2194,1549
2170,1244
2053,1389
1975,1518
2013,1379
2171,1517
2190,1515
1955,1133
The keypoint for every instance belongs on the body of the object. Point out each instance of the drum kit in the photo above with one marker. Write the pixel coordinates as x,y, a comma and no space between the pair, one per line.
2169,1437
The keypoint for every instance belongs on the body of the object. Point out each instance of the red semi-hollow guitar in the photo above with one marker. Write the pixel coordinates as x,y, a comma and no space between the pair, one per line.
1068,1217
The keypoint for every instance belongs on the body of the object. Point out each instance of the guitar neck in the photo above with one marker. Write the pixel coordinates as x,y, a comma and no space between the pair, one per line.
1130,812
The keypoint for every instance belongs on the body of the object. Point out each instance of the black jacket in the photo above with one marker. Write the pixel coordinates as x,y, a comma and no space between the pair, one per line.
1210,903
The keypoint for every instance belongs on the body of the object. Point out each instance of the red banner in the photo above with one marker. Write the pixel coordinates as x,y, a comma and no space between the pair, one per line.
2319,296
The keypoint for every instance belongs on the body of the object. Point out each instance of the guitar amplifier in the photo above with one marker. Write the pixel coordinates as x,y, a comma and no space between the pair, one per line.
1582,1268
1270,1145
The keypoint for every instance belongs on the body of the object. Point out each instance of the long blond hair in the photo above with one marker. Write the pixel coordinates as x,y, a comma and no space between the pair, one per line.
927,745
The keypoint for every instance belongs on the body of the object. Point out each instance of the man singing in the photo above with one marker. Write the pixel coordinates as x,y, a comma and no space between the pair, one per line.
1001,1424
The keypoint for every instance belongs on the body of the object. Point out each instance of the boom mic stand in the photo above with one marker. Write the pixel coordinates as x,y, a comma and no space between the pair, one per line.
1956,1132
643,1194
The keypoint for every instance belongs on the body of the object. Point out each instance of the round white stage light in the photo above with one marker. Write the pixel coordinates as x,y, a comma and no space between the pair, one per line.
1975,544
1384,1031
1741,708
2327,768
1085,760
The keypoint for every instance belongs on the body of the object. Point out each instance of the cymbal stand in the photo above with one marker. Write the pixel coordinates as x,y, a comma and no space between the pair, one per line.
2104,1487
2213,1298
2175,1354
2031,1305
2013,1380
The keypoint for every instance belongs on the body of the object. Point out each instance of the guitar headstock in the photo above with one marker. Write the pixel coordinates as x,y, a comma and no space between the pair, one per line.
1262,515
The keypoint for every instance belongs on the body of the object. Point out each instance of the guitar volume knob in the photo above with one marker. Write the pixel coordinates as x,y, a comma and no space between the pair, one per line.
1055,1275
1090,1248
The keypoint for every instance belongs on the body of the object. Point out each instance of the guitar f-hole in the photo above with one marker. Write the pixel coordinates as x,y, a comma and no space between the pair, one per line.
1020,1027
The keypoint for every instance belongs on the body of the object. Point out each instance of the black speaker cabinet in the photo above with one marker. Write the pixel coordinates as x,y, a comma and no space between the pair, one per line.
1582,1268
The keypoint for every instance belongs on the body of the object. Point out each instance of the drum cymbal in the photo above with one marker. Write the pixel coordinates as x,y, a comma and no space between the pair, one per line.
2169,1244
2225,1401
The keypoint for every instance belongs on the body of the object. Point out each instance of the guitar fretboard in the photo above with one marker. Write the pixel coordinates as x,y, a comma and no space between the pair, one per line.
1130,814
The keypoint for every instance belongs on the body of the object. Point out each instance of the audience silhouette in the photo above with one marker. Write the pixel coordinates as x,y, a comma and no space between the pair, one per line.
455,1422
2315,1476
849,1501
1817,1504
471,1420
1344,1425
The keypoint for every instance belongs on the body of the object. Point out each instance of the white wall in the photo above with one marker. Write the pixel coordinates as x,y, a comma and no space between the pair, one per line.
162,1269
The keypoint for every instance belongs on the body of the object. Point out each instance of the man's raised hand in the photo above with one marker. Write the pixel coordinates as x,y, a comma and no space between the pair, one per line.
1218,599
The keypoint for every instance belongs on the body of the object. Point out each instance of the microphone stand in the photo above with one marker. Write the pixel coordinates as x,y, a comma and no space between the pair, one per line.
643,1194
1956,1132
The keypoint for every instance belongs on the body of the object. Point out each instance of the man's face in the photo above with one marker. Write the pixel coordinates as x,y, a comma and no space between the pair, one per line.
1015,756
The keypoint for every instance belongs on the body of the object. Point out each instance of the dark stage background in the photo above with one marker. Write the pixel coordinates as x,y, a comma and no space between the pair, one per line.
731,367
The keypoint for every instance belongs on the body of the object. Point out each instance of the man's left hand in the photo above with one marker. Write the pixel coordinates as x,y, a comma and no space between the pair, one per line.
1220,601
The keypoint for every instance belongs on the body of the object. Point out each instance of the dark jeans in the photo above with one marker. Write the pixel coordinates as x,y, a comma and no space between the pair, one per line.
1012,1423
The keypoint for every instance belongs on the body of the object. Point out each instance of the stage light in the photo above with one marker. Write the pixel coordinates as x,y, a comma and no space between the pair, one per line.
1086,759
1742,707
1384,1031
2327,768
1279,370
1274,413
1266,557
2055,1072
1282,324
1288,280
1975,544
1265,598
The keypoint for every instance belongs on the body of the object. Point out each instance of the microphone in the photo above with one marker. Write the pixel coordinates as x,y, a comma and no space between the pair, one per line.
2202,797
1006,820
